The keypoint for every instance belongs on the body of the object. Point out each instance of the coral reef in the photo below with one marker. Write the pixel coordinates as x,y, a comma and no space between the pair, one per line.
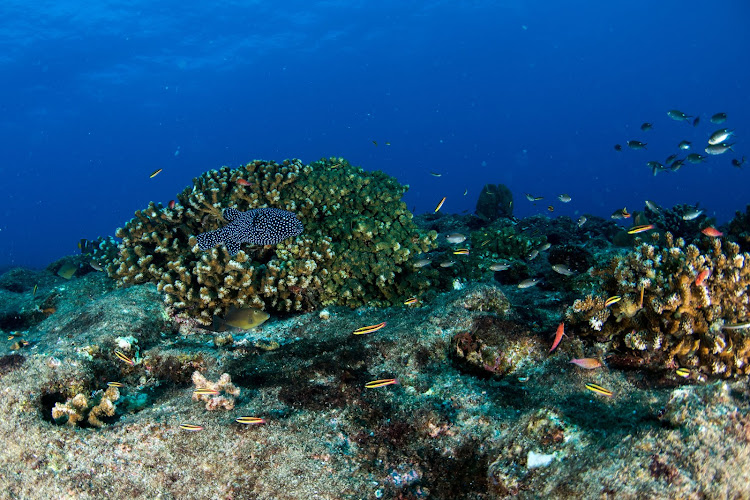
739,228
81,409
218,400
495,201
355,249
676,308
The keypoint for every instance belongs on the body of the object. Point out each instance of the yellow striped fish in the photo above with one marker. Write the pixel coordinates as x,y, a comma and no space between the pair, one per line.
461,251
368,329
191,427
381,383
439,206
114,384
599,389
124,358
410,302
155,173
250,420
612,300
205,391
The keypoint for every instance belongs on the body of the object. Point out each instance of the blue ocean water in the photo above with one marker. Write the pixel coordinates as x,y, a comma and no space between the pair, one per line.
531,94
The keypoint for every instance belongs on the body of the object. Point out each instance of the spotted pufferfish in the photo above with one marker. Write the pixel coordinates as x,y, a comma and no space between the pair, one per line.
258,226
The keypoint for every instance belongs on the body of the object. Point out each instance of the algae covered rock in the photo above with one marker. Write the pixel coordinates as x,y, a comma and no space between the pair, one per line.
495,201
355,249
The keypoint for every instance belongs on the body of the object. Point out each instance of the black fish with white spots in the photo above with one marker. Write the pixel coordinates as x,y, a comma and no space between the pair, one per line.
259,226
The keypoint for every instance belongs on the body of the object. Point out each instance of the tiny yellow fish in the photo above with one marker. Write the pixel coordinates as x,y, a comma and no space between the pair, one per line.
612,300
155,173
461,251
124,358
205,391
683,372
640,229
599,389
466,191
33,292
250,420
368,329
114,384
439,205
410,302
191,427
387,143
485,243
381,383
435,174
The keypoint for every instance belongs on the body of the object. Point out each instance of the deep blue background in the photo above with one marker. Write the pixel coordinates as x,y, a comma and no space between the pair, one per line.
532,94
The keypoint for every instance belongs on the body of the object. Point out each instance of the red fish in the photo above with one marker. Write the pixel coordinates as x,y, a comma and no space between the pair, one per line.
702,277
243,182
587,363
171,204
712,231
558,336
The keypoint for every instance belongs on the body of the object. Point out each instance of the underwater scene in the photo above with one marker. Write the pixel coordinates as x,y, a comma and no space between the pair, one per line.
375,250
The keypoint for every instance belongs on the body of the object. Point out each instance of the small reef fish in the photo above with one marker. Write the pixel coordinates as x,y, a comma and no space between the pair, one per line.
67,270
114,384
678,115
374,384
719,118
97,267
435,174
562,269
684,145
171,204
249,420
640,229
719,149
461,251
712,231
621,213
531,197
720,136
612,300
439,205
533,254
582,220
696,121
122,357
448,263
455,238
737,326
682,372
410,301
466,191
587,363
695,158
528,283
647,126
637,145
191,427
421,263
155,173
243,182
565,198
599,389
558,336
243,318
33,292
369,329
691,214
205,391
652,206
655,167
738,163
499,267
702,276
550,208
618,147
545,247
258,226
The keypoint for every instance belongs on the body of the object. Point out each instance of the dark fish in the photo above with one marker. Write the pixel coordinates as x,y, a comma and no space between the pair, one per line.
696,121
738,163
86,246
719,118
695,158
647,126
678,115
618,147
260,226
636,145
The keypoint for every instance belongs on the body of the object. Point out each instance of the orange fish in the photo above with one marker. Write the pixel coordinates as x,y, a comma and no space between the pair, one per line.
587,363
712,231
558,336
243,182
702,277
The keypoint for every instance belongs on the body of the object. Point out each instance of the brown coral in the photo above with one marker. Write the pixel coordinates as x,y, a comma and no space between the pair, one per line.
216,401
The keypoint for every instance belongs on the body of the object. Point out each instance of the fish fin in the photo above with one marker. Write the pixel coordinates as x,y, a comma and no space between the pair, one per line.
230,214
232,247
219,325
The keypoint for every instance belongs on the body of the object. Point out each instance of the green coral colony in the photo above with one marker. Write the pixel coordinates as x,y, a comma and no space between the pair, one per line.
355,248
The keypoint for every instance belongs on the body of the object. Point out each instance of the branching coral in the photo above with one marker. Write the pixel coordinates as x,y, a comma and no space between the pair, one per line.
357,240
79,408
675,306
218,400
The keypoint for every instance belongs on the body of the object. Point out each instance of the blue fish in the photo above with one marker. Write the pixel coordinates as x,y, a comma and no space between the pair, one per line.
259,226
